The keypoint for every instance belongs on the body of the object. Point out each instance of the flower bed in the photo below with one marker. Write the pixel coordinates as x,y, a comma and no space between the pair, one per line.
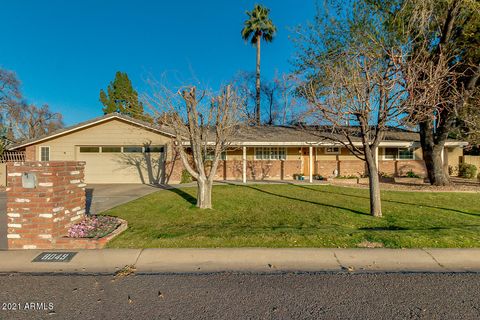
407,180
94,227
94,232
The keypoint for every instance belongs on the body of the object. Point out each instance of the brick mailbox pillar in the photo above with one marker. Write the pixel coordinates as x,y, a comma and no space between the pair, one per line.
43,200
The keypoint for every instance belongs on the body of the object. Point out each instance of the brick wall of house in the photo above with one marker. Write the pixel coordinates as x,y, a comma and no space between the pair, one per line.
352,168
232,170
38,216
326,168
401,167
284,170
30,152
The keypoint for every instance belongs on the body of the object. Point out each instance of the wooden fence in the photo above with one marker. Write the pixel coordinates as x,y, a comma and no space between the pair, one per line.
9,156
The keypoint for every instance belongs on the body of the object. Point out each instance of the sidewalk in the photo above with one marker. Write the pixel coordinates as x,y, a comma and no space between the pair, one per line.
248,260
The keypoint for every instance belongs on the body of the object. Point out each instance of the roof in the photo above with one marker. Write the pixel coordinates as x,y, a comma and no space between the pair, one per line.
252,135
311,134
149,126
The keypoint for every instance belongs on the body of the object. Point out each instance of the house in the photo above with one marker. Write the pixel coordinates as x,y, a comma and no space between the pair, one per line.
120,149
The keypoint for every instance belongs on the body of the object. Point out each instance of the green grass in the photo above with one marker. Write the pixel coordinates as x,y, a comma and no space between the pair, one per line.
299,216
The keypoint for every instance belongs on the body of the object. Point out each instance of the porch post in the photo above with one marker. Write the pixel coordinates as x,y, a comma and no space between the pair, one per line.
442,155
310,159
376,157
244,165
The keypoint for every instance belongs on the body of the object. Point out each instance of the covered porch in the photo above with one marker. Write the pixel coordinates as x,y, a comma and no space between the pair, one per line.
313,161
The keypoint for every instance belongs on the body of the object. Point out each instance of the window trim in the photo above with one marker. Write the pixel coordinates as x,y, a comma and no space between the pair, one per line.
40,153
397,156
270,148
333,152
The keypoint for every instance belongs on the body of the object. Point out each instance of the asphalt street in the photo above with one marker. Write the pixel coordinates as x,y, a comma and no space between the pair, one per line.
242,296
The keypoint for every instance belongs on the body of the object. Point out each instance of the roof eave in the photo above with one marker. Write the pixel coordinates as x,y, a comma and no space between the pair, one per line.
113,116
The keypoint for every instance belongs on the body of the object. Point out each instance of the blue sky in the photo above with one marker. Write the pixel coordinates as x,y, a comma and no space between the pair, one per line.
64,52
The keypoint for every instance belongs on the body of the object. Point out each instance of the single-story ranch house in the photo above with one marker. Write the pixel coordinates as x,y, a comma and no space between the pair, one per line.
120,149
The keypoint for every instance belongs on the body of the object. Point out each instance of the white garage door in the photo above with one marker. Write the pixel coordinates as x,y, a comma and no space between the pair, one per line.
122,164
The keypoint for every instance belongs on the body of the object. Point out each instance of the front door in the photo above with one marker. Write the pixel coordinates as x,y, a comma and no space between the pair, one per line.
305,162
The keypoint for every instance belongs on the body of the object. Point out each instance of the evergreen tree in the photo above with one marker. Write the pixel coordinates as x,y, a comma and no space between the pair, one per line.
121,97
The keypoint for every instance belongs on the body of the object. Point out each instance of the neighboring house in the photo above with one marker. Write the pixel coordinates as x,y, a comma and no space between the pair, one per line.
120,149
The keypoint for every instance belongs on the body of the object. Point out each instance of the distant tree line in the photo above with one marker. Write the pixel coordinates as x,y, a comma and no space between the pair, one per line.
20,120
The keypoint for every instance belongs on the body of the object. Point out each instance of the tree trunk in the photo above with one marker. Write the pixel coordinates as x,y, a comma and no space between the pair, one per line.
257,83
432,155
204,194
375,201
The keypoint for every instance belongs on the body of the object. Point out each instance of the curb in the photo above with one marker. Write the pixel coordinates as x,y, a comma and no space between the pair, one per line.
247,260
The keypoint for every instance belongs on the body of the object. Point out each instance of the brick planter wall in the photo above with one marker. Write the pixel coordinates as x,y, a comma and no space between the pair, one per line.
40,216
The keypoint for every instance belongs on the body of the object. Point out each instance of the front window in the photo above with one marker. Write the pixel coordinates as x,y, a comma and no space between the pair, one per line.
332,150
44,153
405,154
398,154
390,153
270,153
210,155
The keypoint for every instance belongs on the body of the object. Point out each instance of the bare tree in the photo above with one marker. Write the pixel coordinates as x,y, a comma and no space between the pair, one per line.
10,96
29,121
203,130
352,86
286,84
22,120
270,91
9,88
244,83
363,98
441,68
277,97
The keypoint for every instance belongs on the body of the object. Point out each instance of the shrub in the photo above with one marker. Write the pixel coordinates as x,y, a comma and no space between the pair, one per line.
466,170
453,171
478,176
186,176
298,176
412,174
385,175
347,177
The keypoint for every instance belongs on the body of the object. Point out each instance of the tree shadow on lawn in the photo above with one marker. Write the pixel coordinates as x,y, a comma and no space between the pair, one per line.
391,201
301,200
185,195
191,199
398,228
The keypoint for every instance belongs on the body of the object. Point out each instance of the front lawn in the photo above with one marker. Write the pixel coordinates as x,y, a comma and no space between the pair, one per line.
299,216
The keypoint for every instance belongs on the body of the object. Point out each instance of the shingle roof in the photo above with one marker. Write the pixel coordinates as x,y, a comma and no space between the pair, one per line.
65,130
310,134
251,134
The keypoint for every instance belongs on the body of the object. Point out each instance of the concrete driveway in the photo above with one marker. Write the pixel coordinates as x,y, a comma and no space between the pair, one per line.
101,197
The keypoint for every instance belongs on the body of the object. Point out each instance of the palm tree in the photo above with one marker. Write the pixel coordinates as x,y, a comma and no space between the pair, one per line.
258,26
